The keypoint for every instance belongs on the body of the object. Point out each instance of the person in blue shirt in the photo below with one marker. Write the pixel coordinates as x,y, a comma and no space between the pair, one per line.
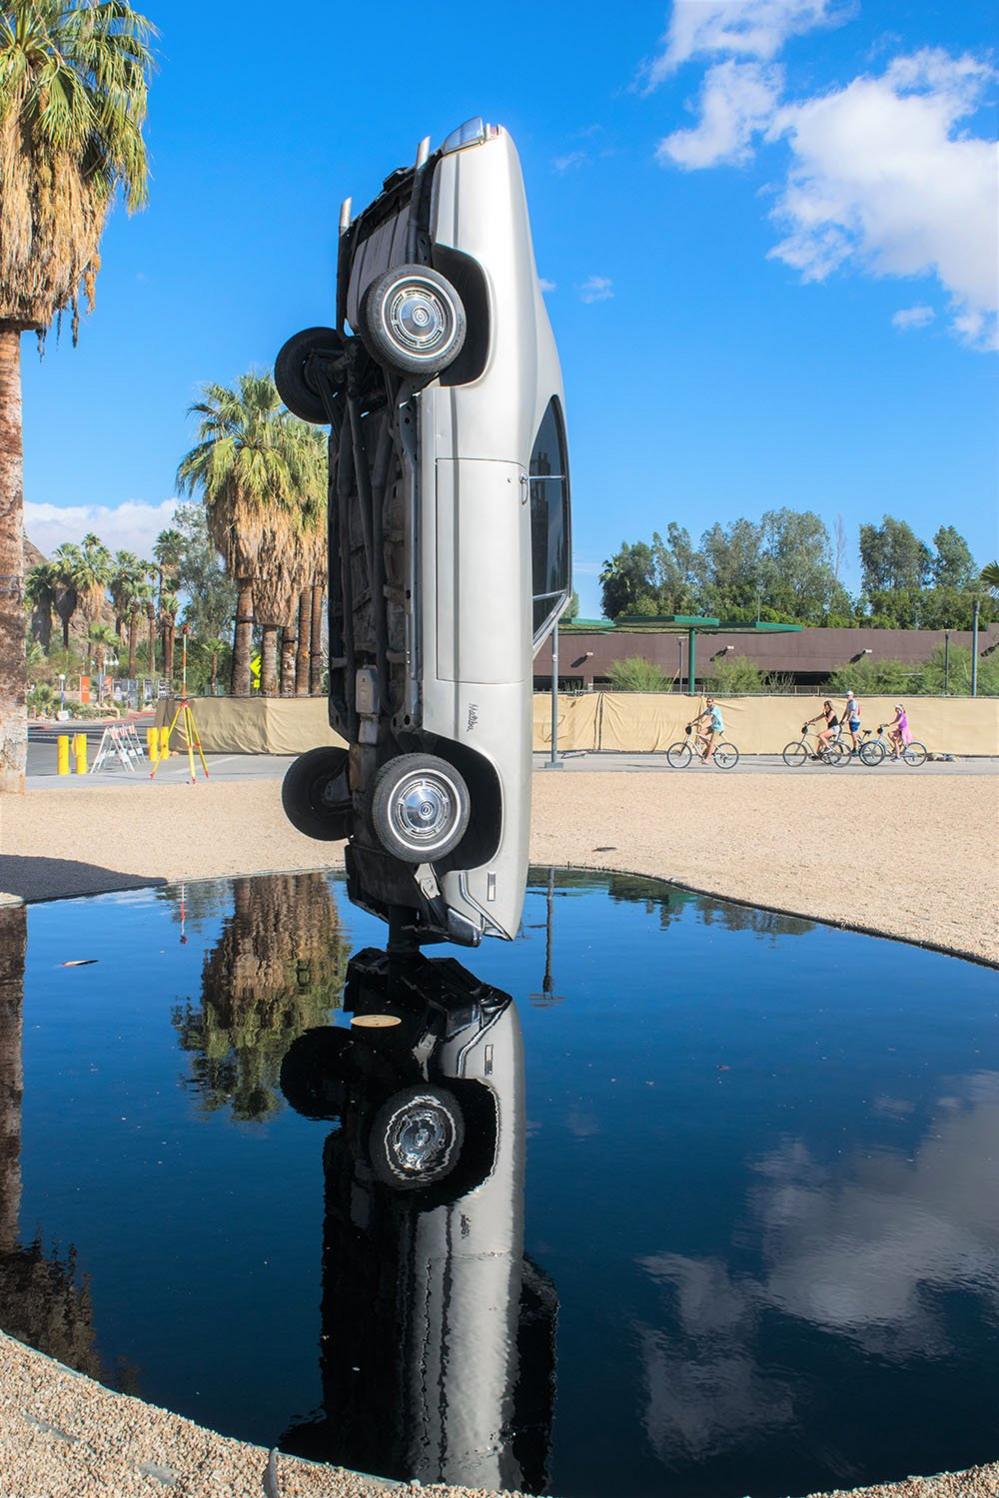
714,727
851,717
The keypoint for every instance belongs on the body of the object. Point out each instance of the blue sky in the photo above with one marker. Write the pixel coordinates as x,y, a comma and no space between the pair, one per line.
768,224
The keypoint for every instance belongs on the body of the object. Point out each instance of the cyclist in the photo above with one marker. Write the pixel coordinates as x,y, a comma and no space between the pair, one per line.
715,727
851,718
826,734
899,732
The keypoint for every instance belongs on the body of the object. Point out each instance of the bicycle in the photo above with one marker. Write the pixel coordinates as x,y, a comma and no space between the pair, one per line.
680,754
874,751
798,752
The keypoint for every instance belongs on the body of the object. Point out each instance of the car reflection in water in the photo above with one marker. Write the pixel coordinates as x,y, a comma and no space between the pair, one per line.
438,1334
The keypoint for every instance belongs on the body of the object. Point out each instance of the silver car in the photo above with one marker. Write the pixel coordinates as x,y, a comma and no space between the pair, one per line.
449,539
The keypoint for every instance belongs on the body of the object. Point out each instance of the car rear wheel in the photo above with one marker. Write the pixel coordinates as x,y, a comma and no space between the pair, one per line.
420,807
413,320
295,372
315,794
416,1137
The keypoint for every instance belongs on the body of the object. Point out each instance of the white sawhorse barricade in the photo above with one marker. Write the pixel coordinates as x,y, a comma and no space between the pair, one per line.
120,744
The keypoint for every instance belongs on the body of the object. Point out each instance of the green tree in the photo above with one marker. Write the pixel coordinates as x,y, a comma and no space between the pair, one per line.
211,597
572,608
871,678
730,675
626,577
990,578
734,569
892,557
66,564
676,571
953,566
72,104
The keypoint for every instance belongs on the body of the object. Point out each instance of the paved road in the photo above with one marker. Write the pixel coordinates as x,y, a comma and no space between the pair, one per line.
42,765
769,764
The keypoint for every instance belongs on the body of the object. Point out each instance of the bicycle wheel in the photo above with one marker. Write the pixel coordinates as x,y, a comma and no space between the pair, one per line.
872,752
795,754
836,754
679,756
915,754
726,756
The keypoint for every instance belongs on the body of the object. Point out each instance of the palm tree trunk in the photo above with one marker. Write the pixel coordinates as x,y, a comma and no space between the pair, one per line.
316,642
168,639
13,938
289,650
269,661
242,640
304,641
13,669
151,662
214,679
133,627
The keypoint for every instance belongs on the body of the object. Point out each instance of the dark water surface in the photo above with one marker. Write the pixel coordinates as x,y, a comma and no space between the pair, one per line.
754,1248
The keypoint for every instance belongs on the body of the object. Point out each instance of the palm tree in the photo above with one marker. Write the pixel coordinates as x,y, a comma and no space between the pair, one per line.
40,588
127,568
990,578
168,548
73,78
252,466
94,571
66,567
169,604
139,593
102,637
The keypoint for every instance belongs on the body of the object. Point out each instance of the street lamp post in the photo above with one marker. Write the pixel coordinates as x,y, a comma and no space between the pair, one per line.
554,763
975,609
946,662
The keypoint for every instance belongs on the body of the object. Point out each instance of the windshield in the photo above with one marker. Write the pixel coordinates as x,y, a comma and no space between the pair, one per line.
549,480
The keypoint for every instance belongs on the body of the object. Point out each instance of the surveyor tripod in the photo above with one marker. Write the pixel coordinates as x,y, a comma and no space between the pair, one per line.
184,715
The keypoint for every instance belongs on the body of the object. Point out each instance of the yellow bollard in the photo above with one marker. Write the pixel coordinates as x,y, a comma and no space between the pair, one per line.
62,754
80,750
164,743
153,744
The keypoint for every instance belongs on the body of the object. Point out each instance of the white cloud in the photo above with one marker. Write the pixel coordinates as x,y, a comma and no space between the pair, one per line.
884,175
745,28
596,289
880,178
737,100
547,285
907,318
569,160
131,526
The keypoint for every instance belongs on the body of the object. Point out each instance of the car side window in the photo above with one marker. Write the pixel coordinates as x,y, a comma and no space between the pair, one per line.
549,480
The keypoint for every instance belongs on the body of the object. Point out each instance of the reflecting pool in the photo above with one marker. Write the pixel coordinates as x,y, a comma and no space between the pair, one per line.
670,1196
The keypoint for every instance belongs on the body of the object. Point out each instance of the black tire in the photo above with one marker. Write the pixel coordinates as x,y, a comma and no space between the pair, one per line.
416,1138
312,1073
413,320
679,756
872,753
915,754
315,794
726,756
293,375
419,830
796,754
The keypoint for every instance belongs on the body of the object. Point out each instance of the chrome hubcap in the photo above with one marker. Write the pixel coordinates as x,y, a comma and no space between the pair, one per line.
418,318
425,808
420,1139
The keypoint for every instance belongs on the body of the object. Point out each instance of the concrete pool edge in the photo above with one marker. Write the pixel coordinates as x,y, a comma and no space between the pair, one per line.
65,1435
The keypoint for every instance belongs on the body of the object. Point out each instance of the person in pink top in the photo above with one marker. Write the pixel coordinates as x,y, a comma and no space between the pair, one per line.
899,732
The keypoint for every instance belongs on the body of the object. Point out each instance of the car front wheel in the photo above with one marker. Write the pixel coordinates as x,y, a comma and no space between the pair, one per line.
420,808
413,320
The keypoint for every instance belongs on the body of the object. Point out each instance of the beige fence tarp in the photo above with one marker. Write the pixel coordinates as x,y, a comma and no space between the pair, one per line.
639,722
254,725
648,722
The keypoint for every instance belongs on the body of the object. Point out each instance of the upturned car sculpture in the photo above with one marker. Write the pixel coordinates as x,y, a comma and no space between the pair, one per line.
449,540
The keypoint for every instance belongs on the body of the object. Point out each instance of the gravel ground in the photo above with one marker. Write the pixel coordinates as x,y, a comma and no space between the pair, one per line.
907,857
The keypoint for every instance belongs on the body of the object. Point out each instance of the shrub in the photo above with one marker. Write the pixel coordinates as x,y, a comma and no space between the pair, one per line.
636,674
733,674
872,678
